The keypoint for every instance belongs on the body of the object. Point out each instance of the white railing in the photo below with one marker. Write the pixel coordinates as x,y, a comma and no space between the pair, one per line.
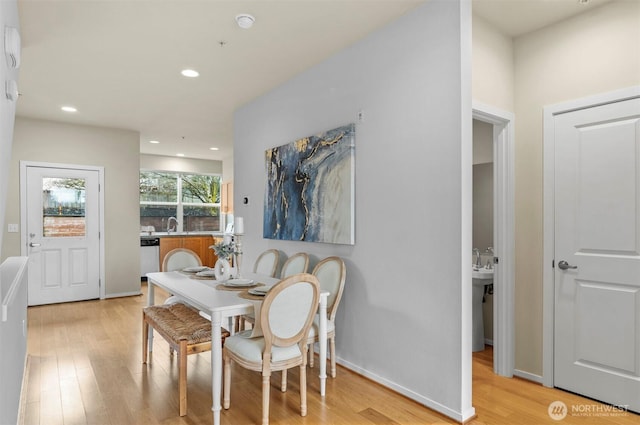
13,336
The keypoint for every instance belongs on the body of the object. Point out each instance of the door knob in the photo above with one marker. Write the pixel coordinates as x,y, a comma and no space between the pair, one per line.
563,265
32,244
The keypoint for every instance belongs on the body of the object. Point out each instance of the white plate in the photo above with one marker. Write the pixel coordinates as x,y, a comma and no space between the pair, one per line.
239,282
260,290
195,269
206,273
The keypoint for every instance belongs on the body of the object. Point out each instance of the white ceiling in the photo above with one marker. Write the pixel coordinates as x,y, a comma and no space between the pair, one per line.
518,17
119,61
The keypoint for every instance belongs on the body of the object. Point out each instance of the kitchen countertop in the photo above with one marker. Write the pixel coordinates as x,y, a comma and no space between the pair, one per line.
146,235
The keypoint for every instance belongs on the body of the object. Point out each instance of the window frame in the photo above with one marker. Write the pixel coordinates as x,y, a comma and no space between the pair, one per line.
179,204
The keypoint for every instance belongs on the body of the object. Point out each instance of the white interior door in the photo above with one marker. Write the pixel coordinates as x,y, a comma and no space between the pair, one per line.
597,253
62,234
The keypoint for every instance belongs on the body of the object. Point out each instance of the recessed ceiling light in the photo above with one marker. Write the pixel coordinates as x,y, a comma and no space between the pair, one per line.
179,154
583,1
214,149
69,109
155,142
245,20
190,73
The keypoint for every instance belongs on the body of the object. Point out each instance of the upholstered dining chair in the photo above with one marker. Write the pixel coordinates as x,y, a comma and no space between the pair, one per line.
297,263
331,273
179,258
285,318
267,263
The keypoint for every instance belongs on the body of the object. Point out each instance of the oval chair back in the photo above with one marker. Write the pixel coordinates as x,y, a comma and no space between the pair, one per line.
288,310
179,258
331,273
297,263
267,263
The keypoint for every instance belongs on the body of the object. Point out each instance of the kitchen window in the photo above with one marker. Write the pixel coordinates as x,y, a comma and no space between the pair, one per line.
193,199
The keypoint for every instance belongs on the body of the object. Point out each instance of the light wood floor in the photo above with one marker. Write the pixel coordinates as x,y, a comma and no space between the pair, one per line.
85,368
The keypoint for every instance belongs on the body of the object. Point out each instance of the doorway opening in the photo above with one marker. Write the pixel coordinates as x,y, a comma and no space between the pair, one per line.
503,234
482,242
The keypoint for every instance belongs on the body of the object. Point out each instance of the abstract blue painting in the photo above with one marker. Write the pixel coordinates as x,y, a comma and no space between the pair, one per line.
310,189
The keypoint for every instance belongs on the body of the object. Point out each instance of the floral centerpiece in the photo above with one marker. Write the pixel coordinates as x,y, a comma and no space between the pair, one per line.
224,250
223,270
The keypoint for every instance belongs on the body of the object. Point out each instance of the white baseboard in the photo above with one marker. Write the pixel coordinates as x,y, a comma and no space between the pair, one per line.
488,341
431,404
528,376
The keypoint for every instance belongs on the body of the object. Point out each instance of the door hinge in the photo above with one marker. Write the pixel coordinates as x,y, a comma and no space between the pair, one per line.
553,263
99,283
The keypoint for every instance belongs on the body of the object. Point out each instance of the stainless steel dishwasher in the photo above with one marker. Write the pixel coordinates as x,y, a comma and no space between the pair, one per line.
149,255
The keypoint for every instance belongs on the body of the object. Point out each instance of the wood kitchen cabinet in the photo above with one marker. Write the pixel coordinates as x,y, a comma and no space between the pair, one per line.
197,243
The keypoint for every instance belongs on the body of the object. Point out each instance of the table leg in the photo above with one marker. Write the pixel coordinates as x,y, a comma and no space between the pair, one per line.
150,301
216,365
323,343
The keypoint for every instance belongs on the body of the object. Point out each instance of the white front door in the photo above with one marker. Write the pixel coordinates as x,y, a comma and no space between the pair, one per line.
597,252
62,234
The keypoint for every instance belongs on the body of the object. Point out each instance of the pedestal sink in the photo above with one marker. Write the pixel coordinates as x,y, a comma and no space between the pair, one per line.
481,277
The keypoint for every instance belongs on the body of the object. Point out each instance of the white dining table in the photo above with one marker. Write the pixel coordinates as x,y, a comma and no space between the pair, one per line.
224,305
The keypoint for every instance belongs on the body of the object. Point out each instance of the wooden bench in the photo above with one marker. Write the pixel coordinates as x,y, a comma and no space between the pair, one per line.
186,332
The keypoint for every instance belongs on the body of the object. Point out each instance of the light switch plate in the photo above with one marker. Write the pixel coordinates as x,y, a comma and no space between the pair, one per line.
12,228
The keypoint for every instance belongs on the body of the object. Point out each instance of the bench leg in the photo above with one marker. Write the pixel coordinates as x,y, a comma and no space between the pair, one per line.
182,383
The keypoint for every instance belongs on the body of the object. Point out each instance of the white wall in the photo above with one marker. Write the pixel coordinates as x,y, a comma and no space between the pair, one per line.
406,313
183,165
13,340
13,336
493,67
483,208
595,52
115,150
482,142
8,17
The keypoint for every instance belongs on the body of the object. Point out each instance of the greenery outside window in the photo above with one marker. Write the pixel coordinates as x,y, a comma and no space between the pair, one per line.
193,199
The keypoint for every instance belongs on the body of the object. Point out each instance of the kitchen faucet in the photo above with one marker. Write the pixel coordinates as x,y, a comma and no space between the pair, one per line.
169,228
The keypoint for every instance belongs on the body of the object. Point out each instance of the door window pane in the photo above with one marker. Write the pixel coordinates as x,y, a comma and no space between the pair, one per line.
63,207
